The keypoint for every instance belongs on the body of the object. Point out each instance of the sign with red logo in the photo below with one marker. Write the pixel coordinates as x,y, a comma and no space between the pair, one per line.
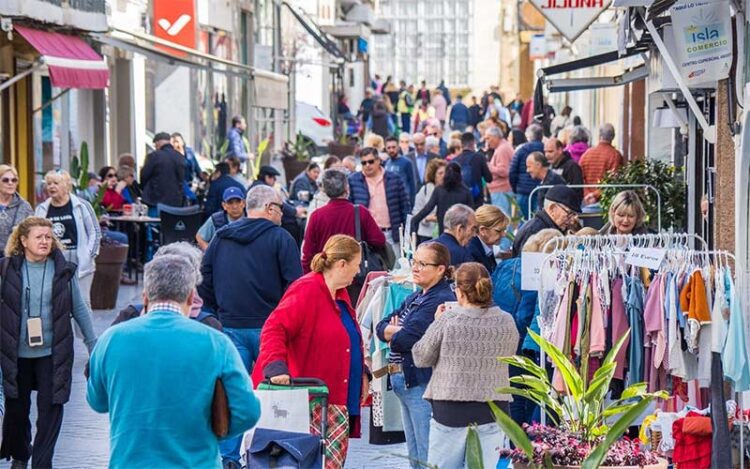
571,17
174,21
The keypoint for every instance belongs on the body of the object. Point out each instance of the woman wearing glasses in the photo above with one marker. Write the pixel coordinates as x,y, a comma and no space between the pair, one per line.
40,293
112,200
402,329
13,207
492,223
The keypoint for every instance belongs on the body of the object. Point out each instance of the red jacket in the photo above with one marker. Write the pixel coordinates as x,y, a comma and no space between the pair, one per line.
304,337
337,217
112,200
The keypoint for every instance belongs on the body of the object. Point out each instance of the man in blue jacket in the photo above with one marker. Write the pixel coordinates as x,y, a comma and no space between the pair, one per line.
460,225
400,165
217,188
175,362
520,180
236,141
383,193
460,116
246,269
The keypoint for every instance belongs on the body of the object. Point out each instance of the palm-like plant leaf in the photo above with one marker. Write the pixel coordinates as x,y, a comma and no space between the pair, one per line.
596,457
526,364
514,432
474,458
570,375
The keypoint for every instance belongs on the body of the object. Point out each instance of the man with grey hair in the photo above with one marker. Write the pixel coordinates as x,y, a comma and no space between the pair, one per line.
338,217
459,226
180,365
246,269
422,155
521,182
597,161
560,212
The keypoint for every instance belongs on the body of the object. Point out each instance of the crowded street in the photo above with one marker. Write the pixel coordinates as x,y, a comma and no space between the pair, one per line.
400,234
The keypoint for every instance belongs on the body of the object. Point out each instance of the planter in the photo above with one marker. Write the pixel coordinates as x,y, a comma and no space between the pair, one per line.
293,168
106,283
341,150
662,464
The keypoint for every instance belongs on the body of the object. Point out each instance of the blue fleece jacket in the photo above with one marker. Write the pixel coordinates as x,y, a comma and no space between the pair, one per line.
246,269
520,180
507,293
459,254
396,194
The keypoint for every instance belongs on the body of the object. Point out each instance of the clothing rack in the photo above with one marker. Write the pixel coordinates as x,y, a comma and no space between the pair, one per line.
649,240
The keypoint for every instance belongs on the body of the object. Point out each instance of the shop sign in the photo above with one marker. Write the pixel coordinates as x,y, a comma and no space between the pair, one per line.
174,21
603,38
571,17
703,36
538,47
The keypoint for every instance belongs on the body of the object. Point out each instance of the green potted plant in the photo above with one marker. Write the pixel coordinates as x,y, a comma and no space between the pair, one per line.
296,156
588,431
112,255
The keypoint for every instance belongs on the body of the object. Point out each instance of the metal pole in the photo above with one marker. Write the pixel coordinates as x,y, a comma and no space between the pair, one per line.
20,76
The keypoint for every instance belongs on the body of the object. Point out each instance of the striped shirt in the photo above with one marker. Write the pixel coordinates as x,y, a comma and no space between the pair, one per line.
396,357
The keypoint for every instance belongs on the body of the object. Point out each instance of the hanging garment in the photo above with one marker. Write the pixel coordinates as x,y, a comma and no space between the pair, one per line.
694,306
619,327
654,338
735,356
692,436
634,308
719,314
598,335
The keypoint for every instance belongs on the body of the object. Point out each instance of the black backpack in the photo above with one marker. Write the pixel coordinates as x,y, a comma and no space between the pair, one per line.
371,261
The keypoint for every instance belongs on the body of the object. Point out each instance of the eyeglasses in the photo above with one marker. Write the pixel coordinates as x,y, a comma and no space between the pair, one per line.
431,135
9,180
277,205
111,175
568,212
419,265
367,162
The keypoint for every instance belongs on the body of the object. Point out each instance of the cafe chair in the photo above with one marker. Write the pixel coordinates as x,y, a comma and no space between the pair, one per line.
179,223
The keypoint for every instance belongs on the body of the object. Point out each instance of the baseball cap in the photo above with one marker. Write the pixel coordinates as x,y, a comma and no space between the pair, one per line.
564,195
161,136
268,171
233,193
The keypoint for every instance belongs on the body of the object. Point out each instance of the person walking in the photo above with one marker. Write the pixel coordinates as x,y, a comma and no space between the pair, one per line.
474,168
163,175
420,158
13,207
460,226
246,269
40,294
402,329
380,122
598,161
236,143
337,217
459,116
75,225
539,169
463,345
440,104
443,197
500,153
560,211
221,180
405,107
434,177
384,195
520,180
233,209
400,165
192,168
578,143
168,426
491,226
563,164
314,333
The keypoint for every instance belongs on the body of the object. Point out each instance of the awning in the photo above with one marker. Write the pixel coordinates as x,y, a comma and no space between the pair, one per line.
320,37
71,62
270,89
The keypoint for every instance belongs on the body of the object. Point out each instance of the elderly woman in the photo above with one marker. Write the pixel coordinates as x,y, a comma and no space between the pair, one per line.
491,225
433,176
75,225
40,294
313,333
126,184
463,346
626,215
578,142
13,207
431,269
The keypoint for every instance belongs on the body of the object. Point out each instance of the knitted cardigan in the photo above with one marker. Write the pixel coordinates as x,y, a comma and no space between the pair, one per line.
462,347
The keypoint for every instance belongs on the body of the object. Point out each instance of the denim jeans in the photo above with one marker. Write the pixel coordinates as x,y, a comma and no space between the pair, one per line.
416,414
247,342
502,201
448,445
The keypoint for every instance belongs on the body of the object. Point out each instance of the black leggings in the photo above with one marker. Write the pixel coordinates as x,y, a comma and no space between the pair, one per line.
33,373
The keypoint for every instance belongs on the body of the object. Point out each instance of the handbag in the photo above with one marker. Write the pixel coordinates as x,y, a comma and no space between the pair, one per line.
220,410
371,261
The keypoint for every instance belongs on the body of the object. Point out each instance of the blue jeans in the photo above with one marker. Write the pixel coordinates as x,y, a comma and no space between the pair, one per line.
416,414
405,122
247,342
448,445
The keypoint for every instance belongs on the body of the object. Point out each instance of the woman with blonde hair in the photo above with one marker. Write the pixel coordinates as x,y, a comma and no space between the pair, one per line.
313,333
13,207
374,141
40,294
626,215
491,223
74,223
462,346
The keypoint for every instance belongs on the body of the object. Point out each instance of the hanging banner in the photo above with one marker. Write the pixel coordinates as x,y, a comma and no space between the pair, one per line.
174,21
703,36
571,17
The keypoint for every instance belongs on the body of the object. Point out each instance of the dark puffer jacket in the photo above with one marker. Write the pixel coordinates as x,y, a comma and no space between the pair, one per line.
397,197
10,326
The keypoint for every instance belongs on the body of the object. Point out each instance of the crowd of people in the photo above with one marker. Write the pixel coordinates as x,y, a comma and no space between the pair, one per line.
265,296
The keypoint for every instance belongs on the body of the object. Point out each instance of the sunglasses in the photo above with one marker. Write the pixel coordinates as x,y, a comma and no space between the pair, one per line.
112,175
9,180
367,162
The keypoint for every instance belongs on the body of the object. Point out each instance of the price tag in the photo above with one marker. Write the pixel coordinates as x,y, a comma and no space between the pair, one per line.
531,270
649,258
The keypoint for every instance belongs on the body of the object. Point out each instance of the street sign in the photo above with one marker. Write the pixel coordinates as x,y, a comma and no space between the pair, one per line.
174,21
571,17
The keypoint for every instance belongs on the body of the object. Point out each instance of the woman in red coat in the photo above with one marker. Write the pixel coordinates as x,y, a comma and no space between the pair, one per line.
313,333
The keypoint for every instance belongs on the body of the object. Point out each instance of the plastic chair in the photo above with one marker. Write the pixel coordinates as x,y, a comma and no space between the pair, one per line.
179,223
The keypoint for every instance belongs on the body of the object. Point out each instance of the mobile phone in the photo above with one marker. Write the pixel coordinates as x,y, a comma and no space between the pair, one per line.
34,329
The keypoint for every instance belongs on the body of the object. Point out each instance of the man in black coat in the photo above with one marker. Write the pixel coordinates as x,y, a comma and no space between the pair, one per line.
163,174
473,167
563,164
560,211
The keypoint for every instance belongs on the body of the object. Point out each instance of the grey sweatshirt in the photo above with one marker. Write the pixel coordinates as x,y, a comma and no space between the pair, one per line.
10,216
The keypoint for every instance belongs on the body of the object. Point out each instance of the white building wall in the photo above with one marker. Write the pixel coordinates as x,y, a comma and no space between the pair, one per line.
172,109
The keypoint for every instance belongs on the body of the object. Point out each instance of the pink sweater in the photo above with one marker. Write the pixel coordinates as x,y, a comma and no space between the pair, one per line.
499,165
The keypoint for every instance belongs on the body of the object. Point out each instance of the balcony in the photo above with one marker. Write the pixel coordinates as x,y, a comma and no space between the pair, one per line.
87,15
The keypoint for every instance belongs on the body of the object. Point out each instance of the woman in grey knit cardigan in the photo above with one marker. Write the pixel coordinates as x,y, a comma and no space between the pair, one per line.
462,347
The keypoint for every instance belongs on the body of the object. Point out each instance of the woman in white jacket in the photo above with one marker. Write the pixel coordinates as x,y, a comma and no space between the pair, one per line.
433,176
75,224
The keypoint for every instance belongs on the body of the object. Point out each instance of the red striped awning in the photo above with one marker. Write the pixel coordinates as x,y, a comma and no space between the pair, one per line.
71,61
